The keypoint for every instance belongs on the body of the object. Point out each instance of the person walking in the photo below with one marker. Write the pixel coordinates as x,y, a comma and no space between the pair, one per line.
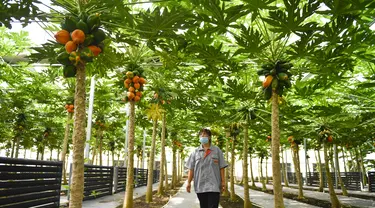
206,165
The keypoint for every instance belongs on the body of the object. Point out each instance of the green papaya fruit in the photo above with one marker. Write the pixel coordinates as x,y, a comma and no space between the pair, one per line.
63,58
93,22
69,71
99,36
282,76
268,93
275,83
83,26
87,55
69,23
88,40
83,16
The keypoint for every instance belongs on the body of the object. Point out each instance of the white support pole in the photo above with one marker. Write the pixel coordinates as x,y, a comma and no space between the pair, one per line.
306,161
143,148
126,135
89,118
335,164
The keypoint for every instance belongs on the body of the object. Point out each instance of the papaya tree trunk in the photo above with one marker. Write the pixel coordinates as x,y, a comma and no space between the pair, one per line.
320,167
251,171
298,171
65,144
128,201
17,146
13,147
335,203
342,185
95,146
174,169
76,188
151,164
232,193
363,168
264,188
247,203
113,158
50,156
277,188
101,149
283,168
226,170
266,171
166,188
162,161
343,158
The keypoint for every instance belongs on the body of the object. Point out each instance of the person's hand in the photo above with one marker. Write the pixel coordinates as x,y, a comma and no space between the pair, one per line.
223,186
188,187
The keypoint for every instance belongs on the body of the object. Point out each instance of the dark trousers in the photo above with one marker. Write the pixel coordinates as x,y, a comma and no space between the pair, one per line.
209,199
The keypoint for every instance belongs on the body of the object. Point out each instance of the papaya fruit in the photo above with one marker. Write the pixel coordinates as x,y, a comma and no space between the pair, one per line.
88,40
99,36
136,79
282,76
137,98
70,46
267,81
131,89
95,49
87,55
69,71
142,80
83,16
130,95
139,94
93,22
137,85
268,93
83,26
63,58
78,36
69,23
129,74
62,36
275,84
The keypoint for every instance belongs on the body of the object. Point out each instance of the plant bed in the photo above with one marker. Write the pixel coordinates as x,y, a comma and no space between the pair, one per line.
307,200
225,202
157,201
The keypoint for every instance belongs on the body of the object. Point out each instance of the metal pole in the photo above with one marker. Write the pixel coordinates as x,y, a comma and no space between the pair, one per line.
305,147
143,148
336,175
126,135
89,118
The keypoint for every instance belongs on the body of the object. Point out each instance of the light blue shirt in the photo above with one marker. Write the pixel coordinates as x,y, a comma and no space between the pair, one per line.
206,169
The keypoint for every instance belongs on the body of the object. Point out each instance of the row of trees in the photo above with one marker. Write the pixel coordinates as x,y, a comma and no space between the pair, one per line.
205,54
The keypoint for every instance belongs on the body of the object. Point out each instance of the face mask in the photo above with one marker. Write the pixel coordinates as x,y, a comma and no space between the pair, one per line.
203,140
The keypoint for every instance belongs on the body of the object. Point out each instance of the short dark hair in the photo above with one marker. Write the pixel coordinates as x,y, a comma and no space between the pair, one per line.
207,131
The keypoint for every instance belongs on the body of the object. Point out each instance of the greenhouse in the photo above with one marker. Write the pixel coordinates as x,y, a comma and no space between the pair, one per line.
187,103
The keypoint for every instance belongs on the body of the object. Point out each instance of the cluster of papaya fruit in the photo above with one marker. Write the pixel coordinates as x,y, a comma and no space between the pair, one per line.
134,82
293,142
69,108
269,138
82,39
277,77
326,135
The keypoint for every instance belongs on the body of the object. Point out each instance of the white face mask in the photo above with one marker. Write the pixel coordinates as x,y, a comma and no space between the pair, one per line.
203,140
